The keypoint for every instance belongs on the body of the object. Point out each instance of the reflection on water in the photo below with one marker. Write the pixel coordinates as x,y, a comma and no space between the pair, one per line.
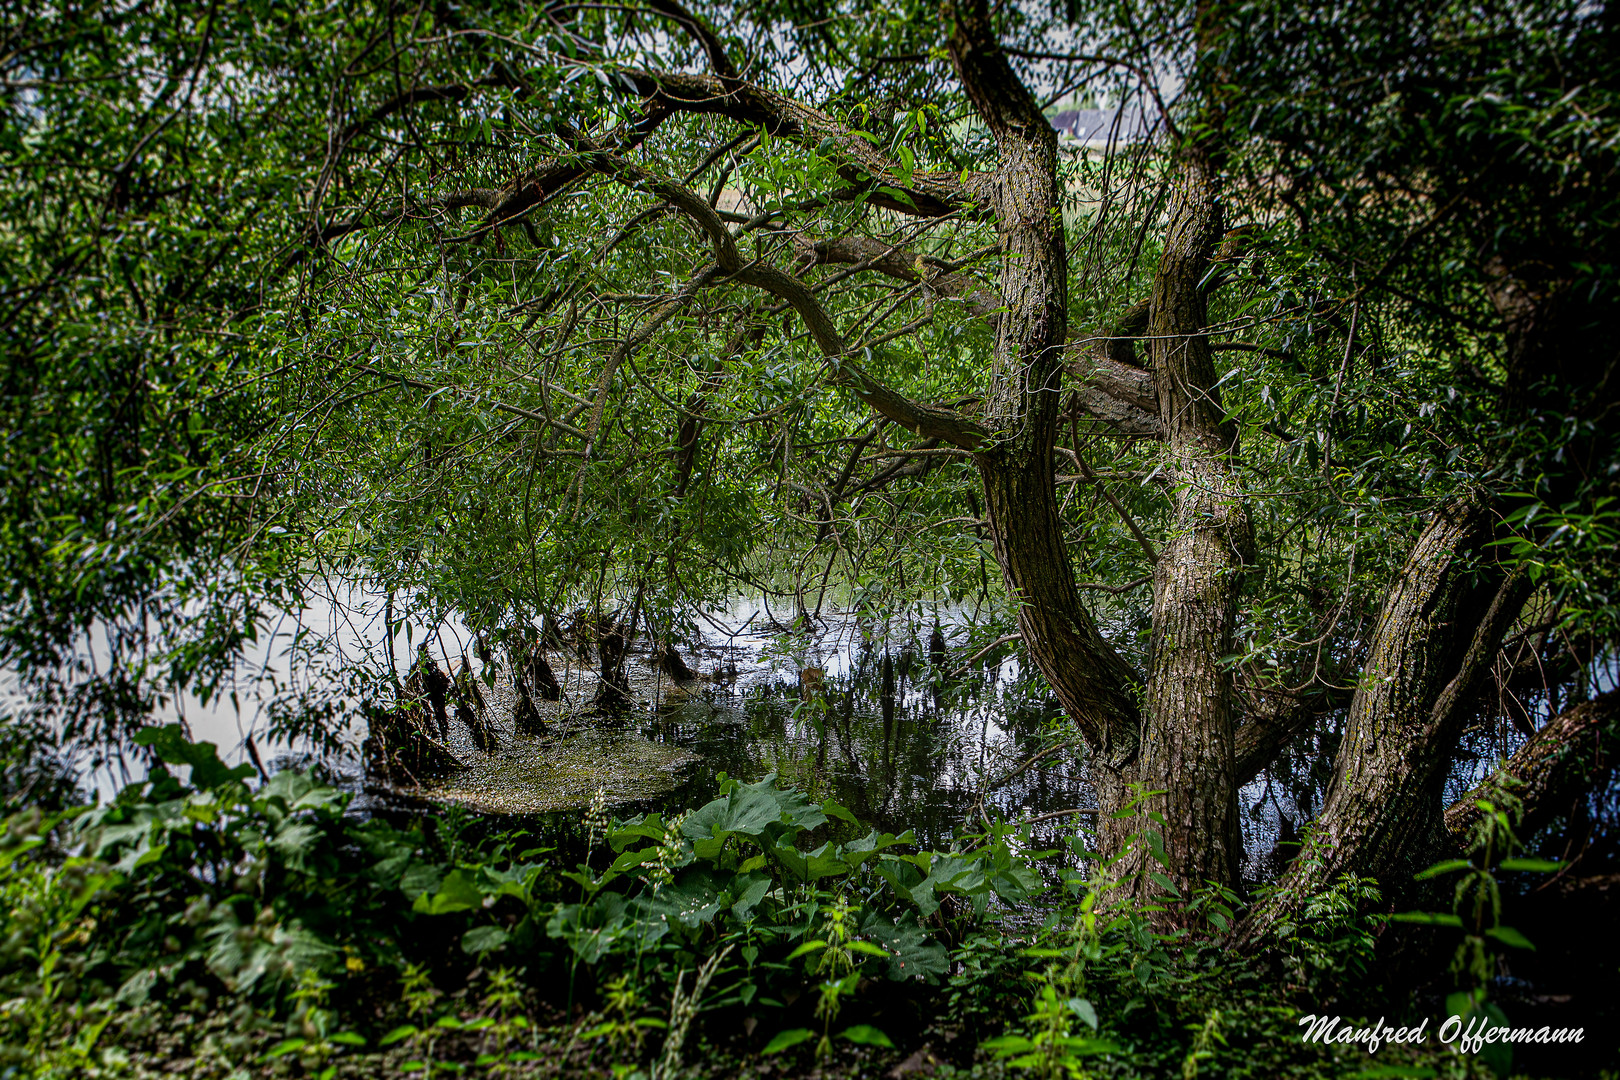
903,739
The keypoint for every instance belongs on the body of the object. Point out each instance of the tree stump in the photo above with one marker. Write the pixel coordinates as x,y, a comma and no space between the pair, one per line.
400,747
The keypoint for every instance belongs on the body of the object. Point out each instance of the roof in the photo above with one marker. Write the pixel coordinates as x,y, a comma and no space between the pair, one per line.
1098,125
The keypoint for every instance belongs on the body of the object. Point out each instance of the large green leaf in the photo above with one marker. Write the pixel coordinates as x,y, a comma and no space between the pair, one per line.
458,891
170,744
913,952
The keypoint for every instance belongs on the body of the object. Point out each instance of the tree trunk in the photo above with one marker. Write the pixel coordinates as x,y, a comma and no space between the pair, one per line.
1020,412
1442,622
1187,744
1575,752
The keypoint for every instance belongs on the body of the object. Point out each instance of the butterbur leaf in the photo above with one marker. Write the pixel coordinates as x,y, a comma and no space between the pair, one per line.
207,771
457,892
913,953
749,889
834,810
634,858
1511,937
866,1035
482,939
787,1039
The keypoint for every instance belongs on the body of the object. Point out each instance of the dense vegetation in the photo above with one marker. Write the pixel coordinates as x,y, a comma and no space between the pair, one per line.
452,944
1270,421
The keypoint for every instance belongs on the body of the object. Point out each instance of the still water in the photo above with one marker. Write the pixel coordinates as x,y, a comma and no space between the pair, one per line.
929,745
904,739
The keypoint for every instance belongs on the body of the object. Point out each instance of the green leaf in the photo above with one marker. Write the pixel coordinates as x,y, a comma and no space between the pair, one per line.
1427,918
398,1034
348,1038
483,939
286,1046
1164,883
807,948
1534,866
834,810
1446,867
457,892
749,889
1510,937
866,1035
786,1039
634,858
1007,1045
170,744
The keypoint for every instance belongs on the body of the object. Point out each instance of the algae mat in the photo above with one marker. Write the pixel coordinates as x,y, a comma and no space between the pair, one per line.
564,771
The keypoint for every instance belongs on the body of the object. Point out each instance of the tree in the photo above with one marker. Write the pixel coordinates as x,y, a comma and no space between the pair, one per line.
553,306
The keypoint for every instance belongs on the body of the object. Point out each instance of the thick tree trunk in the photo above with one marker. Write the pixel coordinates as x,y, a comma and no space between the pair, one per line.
1441,625
1187,743
1020,410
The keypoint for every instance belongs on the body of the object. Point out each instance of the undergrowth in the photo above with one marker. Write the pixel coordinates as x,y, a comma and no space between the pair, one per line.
213,928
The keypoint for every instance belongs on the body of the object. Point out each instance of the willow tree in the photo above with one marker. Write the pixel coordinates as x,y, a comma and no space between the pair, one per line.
583,294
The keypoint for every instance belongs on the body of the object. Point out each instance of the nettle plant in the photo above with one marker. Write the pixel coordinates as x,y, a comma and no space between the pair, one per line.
1477,909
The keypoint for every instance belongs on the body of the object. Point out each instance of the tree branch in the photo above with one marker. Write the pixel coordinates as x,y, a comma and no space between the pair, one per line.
929,194
1573,753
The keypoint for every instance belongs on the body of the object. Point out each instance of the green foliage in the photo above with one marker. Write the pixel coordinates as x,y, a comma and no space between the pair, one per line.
1477,910
665,930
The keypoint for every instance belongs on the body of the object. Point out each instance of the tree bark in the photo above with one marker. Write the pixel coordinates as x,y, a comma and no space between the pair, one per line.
1443,621
1573,753
1020,413
1187,744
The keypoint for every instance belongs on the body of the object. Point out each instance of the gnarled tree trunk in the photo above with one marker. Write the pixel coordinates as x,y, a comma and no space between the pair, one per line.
1187,744
1439,629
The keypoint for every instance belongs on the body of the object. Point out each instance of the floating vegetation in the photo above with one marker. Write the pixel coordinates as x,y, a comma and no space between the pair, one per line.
532,776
